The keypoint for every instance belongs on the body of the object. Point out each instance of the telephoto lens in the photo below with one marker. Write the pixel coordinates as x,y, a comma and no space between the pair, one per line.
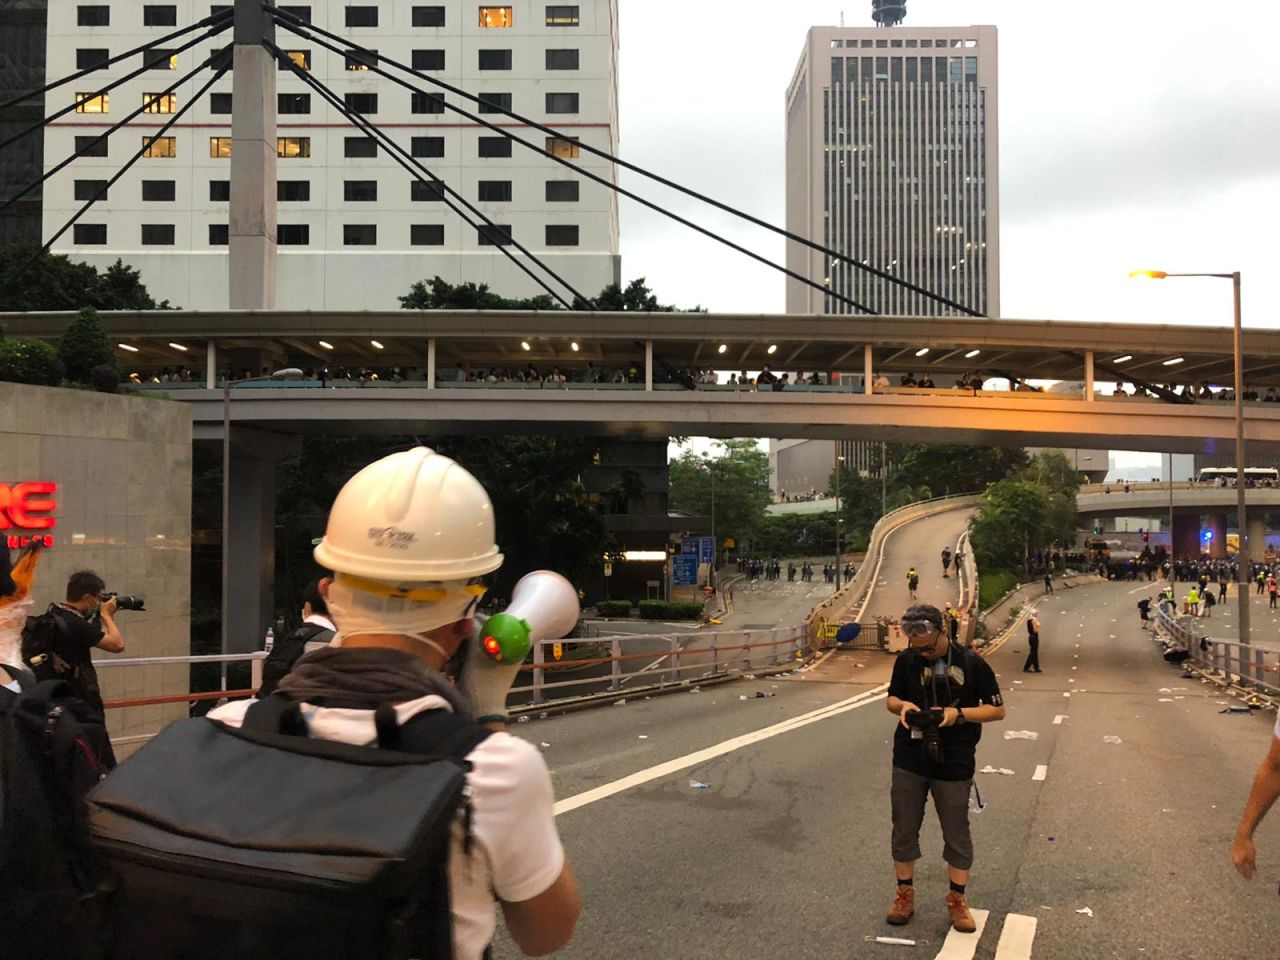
129,602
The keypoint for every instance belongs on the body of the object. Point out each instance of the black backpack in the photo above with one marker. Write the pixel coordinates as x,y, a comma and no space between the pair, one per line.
46,646
48,877
287,652
264,844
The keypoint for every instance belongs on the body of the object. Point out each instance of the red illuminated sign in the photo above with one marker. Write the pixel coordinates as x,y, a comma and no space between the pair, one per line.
26,509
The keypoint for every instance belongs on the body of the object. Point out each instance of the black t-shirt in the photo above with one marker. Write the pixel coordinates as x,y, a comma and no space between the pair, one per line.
967,681
82,636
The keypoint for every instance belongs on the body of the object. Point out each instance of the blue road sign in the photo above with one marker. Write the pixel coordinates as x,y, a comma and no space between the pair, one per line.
707,551
684,570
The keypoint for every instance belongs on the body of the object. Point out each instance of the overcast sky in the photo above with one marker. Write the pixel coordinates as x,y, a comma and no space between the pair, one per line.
1133,134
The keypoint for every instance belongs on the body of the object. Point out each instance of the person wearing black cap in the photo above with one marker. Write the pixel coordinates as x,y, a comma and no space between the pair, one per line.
953,691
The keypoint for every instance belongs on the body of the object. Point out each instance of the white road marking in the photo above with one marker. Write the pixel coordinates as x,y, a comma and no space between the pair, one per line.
1042,771
1057,721
963,946
720,749
1016,937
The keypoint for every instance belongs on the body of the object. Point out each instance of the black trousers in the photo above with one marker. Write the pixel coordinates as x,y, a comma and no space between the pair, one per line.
1033,658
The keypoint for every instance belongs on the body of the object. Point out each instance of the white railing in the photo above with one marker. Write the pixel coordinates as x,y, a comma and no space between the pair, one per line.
1246,665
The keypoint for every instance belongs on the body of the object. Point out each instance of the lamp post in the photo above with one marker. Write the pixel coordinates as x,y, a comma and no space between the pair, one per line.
288,373
715,544
1242,554
839,516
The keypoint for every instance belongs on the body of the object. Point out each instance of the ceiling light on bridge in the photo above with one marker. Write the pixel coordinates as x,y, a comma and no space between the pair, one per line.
723,348
573,345
1125,359
922,351
1174,362
376,345
971,354
524,345
773,348
326,344
177,346
125,346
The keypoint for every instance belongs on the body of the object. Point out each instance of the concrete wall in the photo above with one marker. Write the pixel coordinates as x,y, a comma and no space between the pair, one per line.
122,466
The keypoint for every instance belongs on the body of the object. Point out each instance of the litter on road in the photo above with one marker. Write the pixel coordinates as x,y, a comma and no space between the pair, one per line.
1000,770
895,941
1086,911
620,703
1165,700
699,785
1021,735
545,745
644,736
1112,740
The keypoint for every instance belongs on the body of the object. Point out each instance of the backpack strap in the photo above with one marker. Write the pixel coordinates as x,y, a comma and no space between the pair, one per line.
276,714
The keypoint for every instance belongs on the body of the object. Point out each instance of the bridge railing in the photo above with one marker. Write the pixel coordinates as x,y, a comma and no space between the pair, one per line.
1250,667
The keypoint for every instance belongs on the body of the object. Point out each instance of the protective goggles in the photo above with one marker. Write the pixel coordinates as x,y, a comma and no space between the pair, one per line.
919,628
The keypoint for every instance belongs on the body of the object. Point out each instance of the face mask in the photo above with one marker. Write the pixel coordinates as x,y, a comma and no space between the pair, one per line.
357,612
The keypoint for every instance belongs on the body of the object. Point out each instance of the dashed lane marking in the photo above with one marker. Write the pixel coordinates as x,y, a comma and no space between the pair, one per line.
1042,771
1016,937
963,946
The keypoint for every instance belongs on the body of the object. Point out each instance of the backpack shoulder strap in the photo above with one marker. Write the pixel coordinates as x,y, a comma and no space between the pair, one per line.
432,733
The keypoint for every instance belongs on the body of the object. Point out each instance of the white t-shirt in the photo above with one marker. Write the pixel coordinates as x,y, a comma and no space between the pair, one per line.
516,852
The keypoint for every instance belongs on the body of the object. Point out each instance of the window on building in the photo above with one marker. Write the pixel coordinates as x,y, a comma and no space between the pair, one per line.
300,58
566,148
360,191
562,15
895,69
494,102
563,59
89,234
157,234
220,103
219,235
95,146
495,191
428,17
88,189
495,16
160,148
88,103
495,59
220,148
92,58
160,103
359,147
93,15
426,147
498,235
159,191
562,103
359,235
428,60
426,234
160,15
160,58
219,191
358,61
293,234
493,147
562,235
293,191
563,191
426,191
291,148
293,103
366,103
427,103
362,16
301,12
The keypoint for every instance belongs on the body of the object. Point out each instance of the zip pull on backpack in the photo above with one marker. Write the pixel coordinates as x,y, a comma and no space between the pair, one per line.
264,844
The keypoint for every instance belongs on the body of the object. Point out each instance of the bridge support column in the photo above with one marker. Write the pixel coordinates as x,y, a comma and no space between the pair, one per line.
1218,543
1256,542
211,365
431,363
1088,376
868,369
1185,537
648,365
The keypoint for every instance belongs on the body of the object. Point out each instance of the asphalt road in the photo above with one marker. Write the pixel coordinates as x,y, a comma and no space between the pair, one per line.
918,544
784,853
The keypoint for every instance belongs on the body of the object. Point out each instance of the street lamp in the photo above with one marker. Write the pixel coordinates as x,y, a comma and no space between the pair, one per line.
288,373
839,516
1242,555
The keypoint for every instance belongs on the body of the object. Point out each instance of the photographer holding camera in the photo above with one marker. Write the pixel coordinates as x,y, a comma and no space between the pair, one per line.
58,644
941,694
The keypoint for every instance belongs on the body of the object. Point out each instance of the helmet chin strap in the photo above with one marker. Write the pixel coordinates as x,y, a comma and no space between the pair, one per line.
431,643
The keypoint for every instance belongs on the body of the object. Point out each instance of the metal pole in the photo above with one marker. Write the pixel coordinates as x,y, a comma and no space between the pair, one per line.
715,543
1173,576
1243,553
226,523
838,459
884,475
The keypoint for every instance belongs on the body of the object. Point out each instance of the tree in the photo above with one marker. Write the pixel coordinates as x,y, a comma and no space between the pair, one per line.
637,297
437,294
30,361
1031,509
121,288
945,469
31,280
741,480
85,346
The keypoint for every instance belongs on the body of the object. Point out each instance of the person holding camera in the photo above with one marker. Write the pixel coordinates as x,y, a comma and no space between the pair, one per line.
941,694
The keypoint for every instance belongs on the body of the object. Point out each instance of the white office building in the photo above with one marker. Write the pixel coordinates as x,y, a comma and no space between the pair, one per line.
354,231
892,160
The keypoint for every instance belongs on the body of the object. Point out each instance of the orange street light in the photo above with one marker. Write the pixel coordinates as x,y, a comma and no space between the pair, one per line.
1148,274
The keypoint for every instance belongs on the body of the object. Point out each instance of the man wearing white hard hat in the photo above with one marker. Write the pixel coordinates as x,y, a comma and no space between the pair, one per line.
410,539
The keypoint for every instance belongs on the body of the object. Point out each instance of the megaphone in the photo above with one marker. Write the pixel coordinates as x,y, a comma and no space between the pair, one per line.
544,606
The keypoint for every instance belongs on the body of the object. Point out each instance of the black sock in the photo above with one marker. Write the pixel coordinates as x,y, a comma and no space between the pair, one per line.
957,888
910,881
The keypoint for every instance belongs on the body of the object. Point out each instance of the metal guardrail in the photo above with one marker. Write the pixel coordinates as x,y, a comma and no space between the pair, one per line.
255,660
1251,667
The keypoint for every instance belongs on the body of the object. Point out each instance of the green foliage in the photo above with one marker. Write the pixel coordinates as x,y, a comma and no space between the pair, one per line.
613,608
1031,509
806,535
945,469
54,282
105,378
741,488
84,346
636,297
662,610
436,294
30,361
993,586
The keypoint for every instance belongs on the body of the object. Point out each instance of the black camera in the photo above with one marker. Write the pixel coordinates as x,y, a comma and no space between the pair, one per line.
928,722
127,601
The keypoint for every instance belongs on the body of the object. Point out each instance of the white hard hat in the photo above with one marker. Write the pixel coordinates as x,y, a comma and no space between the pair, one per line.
412,517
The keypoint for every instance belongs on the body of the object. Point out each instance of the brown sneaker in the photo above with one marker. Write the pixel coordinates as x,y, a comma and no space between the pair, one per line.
904,906
961,918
